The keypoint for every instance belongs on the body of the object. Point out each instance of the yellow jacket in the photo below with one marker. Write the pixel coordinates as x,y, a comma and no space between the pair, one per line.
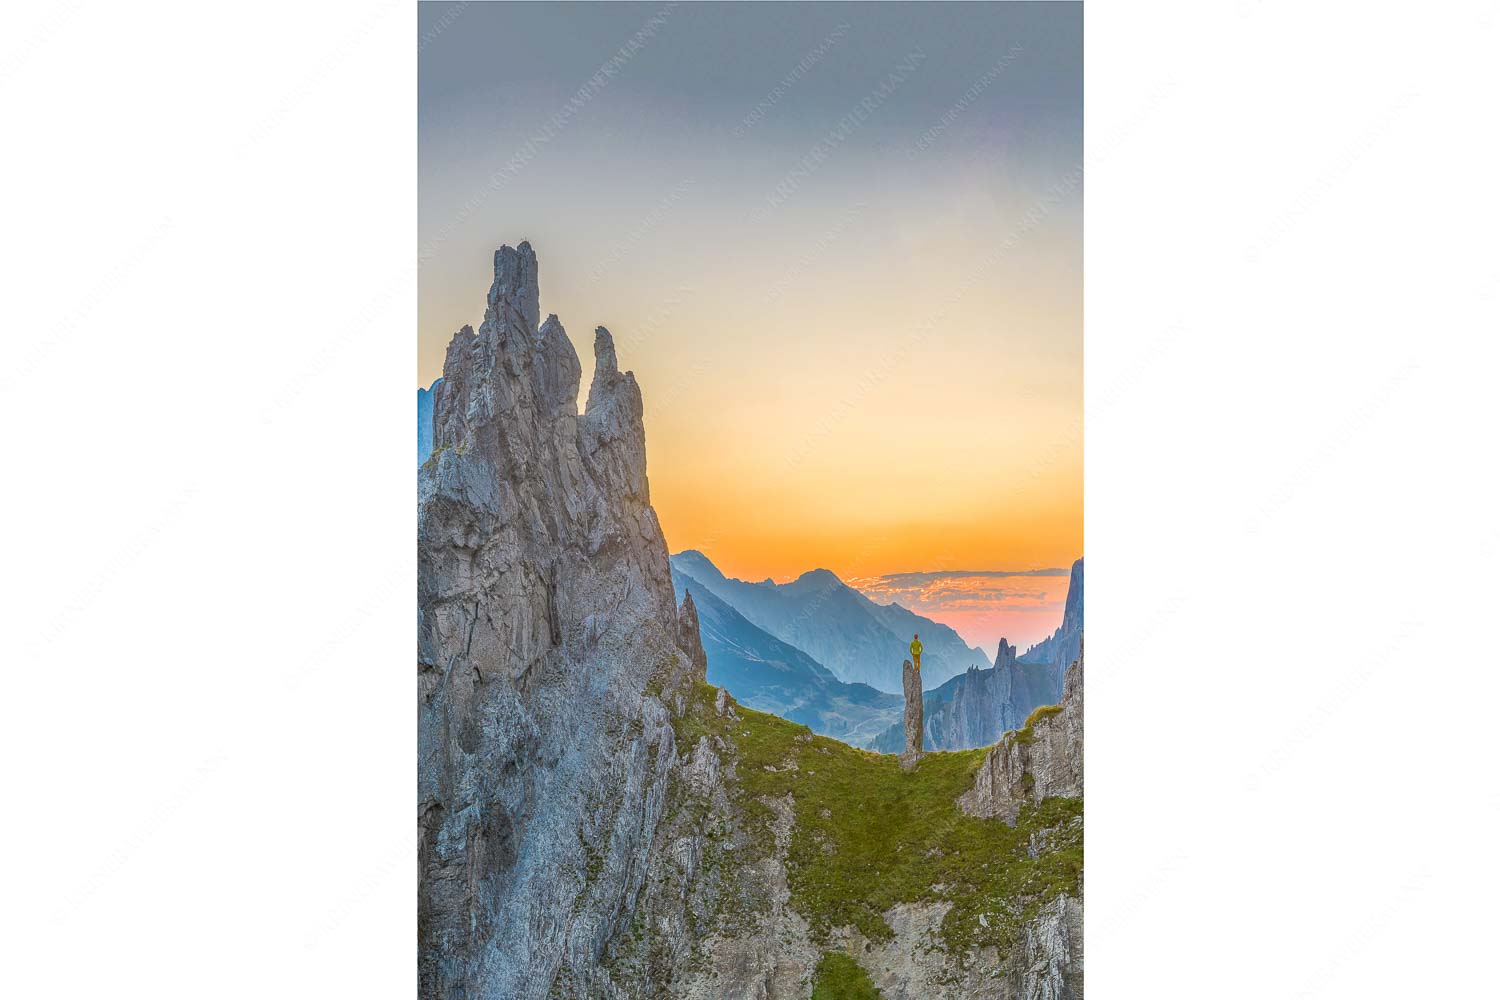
916,650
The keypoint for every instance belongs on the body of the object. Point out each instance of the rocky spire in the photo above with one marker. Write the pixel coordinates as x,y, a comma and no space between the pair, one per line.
556,374
911,685
605,362
543,599
689,640
514,292
1073,608
1042,759
1005,656
612,432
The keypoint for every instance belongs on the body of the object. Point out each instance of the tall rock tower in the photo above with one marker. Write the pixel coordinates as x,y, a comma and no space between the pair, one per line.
911,684
546,655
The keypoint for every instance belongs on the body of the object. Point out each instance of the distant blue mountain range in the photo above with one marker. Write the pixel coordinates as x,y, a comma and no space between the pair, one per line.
770,675
765,664
858,640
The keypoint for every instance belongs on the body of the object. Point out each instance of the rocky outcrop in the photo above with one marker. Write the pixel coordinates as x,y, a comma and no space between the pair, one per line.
911,683
1049,963
689,637
545,611
1040,760
974,708
720,917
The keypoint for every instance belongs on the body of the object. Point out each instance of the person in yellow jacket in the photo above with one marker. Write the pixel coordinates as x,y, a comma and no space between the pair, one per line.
916,651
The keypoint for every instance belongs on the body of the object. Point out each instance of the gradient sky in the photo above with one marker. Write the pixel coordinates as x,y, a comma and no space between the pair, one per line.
839,245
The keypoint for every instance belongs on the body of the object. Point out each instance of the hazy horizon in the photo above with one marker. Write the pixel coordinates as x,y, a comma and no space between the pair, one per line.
982,606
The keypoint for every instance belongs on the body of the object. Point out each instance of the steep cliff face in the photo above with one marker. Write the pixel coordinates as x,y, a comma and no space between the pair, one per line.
974,708
1041,760
544,607
1060,648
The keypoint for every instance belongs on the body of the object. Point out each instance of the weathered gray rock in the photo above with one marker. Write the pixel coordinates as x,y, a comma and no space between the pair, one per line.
1029,765
544,608
911,684
1049,963
1042,760
424,422
1005,655
689,639
715,918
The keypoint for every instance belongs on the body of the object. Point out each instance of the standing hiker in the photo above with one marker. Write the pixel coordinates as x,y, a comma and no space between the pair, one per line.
916,651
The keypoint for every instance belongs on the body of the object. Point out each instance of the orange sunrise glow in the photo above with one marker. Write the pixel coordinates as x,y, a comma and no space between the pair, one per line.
871,364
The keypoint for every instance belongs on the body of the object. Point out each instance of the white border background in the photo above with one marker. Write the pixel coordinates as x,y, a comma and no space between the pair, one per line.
1292,288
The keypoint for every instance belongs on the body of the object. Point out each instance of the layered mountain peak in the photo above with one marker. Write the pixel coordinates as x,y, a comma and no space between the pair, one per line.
697,565
818,578
858,640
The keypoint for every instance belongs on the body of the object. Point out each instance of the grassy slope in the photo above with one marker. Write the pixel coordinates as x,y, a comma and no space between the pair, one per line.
869,836
839,977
